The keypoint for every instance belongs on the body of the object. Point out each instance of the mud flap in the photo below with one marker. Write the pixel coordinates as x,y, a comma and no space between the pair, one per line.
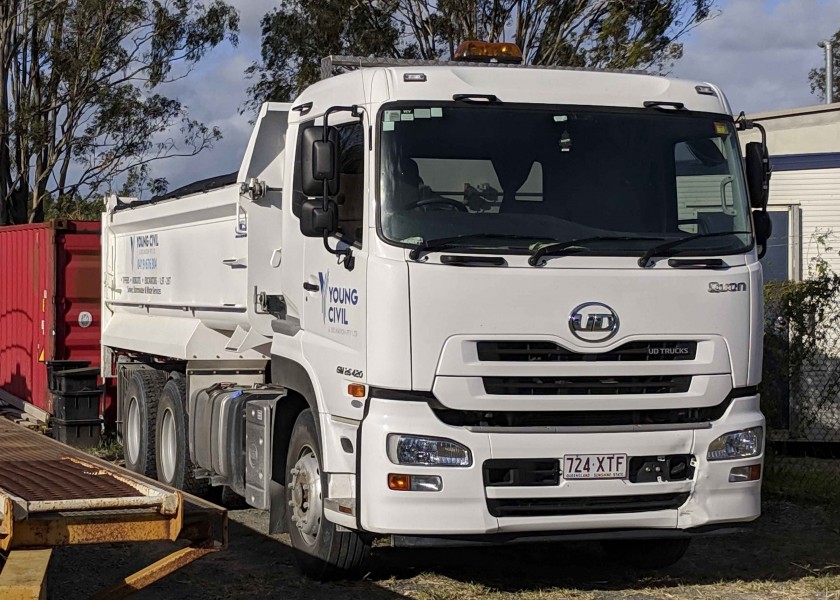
277,508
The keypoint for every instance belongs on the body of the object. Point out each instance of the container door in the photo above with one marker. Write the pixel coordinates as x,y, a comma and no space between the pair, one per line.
77,294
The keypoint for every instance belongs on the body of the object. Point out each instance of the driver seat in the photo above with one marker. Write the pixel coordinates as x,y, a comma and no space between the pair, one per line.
406,183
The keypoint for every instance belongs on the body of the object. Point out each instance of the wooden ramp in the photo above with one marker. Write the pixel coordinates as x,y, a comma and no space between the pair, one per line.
53,495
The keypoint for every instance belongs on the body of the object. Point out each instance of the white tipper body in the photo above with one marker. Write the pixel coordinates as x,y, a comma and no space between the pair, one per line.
181,278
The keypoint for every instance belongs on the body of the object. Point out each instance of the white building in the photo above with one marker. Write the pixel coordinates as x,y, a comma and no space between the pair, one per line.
804,146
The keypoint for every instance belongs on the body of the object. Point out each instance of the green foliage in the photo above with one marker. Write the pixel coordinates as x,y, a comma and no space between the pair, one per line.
816,77
73,208
82,94
800,330
584,33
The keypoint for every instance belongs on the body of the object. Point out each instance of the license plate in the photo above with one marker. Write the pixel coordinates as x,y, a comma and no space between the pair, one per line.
595,466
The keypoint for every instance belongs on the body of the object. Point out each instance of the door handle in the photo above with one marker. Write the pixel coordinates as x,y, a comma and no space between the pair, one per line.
310,287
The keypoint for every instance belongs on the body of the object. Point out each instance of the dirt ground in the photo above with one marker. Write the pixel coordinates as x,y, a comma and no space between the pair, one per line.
793,551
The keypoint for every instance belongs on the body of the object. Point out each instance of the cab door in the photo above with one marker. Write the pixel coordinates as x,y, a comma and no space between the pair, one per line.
335,301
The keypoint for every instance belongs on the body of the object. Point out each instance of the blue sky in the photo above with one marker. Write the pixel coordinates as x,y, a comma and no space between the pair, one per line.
758,51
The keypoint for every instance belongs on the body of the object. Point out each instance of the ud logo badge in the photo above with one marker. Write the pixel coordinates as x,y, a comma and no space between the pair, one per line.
593,322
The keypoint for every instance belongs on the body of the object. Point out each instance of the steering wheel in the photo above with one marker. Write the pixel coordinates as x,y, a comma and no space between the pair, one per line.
448,202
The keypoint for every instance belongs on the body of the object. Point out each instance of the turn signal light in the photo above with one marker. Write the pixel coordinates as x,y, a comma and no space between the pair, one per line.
356,390
476,51
750,473
415,483
398,482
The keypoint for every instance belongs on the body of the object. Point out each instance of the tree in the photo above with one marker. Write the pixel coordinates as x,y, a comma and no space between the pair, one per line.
80,93
618,34
297,34
817,76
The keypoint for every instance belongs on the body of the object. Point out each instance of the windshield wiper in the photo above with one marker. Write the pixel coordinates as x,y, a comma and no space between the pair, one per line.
664,249
570,246
449,242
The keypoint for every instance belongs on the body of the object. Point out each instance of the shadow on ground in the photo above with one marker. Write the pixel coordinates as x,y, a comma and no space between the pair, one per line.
789,543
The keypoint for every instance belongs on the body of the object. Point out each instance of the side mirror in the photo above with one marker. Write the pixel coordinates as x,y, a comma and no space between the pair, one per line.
317,222
319,161
763,230
758,174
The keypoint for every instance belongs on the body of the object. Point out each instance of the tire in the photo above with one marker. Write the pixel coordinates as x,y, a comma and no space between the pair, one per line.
141,408
323,553
172,456
647,554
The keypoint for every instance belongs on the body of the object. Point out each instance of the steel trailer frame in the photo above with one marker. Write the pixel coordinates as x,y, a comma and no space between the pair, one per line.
53,495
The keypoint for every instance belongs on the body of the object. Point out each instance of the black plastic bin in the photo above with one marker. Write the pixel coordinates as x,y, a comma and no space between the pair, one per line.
79,434
70,381
77,406
54,366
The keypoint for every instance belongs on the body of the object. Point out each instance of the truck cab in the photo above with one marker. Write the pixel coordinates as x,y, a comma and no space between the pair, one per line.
459,302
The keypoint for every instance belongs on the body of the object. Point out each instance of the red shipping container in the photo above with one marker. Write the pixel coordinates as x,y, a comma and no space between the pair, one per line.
49,303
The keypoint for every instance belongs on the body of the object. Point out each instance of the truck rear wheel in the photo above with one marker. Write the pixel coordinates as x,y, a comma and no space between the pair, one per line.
322,552
647,554
172,456
141,408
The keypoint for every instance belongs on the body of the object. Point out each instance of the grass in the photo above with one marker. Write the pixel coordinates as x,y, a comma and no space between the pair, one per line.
109,449
792,552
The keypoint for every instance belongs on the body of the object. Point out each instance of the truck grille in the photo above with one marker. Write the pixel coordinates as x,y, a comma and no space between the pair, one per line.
525,351
584,386
593,418
502,472
591,505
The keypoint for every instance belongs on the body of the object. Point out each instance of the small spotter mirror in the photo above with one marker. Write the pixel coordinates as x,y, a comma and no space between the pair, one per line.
316,221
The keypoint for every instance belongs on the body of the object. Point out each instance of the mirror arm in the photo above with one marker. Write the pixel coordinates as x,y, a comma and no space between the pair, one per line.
763,131
742,123
345,255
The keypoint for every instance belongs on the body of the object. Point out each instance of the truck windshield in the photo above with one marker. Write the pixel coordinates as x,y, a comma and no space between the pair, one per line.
509,179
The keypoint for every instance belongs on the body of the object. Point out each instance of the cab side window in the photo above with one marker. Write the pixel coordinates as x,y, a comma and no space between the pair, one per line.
351,173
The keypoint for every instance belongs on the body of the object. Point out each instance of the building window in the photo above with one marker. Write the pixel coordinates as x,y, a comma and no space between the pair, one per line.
782,261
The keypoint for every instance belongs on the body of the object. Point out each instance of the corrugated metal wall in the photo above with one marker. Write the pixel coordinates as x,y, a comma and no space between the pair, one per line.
26,315
817,192
49,303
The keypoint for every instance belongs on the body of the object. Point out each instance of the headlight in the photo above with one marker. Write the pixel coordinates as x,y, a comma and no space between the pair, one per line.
737,444
427,451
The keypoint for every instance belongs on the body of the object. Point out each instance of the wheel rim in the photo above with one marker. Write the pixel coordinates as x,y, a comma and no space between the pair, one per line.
132,446
167,447
305,495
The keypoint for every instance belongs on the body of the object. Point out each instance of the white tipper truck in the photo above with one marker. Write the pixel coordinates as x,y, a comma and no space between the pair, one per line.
456,303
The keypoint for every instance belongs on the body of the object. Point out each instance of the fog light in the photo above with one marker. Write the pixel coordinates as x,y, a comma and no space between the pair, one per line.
427,451
749,473
415,483
737,444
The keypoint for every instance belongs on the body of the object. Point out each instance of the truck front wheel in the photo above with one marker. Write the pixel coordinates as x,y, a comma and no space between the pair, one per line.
647,554
322,552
